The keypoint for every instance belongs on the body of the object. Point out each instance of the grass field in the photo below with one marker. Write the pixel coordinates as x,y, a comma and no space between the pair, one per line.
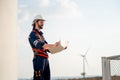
93,78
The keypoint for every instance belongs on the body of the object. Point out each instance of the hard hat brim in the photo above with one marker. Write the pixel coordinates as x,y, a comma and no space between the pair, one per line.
38,20
42,19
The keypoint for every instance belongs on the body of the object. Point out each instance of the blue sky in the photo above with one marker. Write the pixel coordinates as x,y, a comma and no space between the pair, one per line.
84,23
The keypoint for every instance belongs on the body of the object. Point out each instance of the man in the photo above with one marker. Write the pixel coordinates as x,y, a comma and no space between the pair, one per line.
40,48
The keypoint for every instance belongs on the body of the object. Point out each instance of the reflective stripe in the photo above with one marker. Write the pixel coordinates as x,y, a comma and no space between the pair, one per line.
35,42
42,52
43,55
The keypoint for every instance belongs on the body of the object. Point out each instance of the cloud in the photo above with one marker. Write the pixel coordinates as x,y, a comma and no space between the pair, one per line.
69,7
44,3
60,8
22,6
23,13
25,17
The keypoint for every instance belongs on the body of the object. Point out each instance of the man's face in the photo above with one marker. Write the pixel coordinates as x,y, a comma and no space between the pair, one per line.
40,24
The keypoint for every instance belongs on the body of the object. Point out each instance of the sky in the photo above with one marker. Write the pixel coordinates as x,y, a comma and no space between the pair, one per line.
92,24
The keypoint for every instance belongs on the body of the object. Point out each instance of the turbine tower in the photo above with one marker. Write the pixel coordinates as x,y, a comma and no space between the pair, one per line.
84,63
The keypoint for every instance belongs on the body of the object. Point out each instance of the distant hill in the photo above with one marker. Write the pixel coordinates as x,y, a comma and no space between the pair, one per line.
88,78
91,78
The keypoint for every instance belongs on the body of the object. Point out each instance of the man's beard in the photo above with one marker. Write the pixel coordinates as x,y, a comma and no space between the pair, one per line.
41,26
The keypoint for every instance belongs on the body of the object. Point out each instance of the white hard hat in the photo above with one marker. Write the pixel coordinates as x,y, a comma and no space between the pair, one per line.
38,17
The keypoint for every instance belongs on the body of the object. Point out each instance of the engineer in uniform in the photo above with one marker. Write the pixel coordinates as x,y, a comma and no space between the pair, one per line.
40,48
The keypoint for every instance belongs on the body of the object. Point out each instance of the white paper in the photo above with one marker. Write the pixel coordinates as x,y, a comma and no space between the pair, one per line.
61,46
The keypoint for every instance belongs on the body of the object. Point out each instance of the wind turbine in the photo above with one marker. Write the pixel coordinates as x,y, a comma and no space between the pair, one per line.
84,61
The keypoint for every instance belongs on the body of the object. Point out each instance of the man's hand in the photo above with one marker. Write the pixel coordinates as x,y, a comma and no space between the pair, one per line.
57,43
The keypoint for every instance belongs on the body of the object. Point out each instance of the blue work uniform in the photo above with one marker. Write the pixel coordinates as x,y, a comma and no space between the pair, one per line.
40,60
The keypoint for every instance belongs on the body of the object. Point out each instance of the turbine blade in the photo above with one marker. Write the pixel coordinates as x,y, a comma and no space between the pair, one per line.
81,55
87,51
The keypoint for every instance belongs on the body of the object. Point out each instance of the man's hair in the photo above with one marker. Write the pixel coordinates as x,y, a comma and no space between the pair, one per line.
34,24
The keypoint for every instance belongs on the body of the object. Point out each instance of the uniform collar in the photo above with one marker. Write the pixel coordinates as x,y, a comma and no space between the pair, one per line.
39,31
